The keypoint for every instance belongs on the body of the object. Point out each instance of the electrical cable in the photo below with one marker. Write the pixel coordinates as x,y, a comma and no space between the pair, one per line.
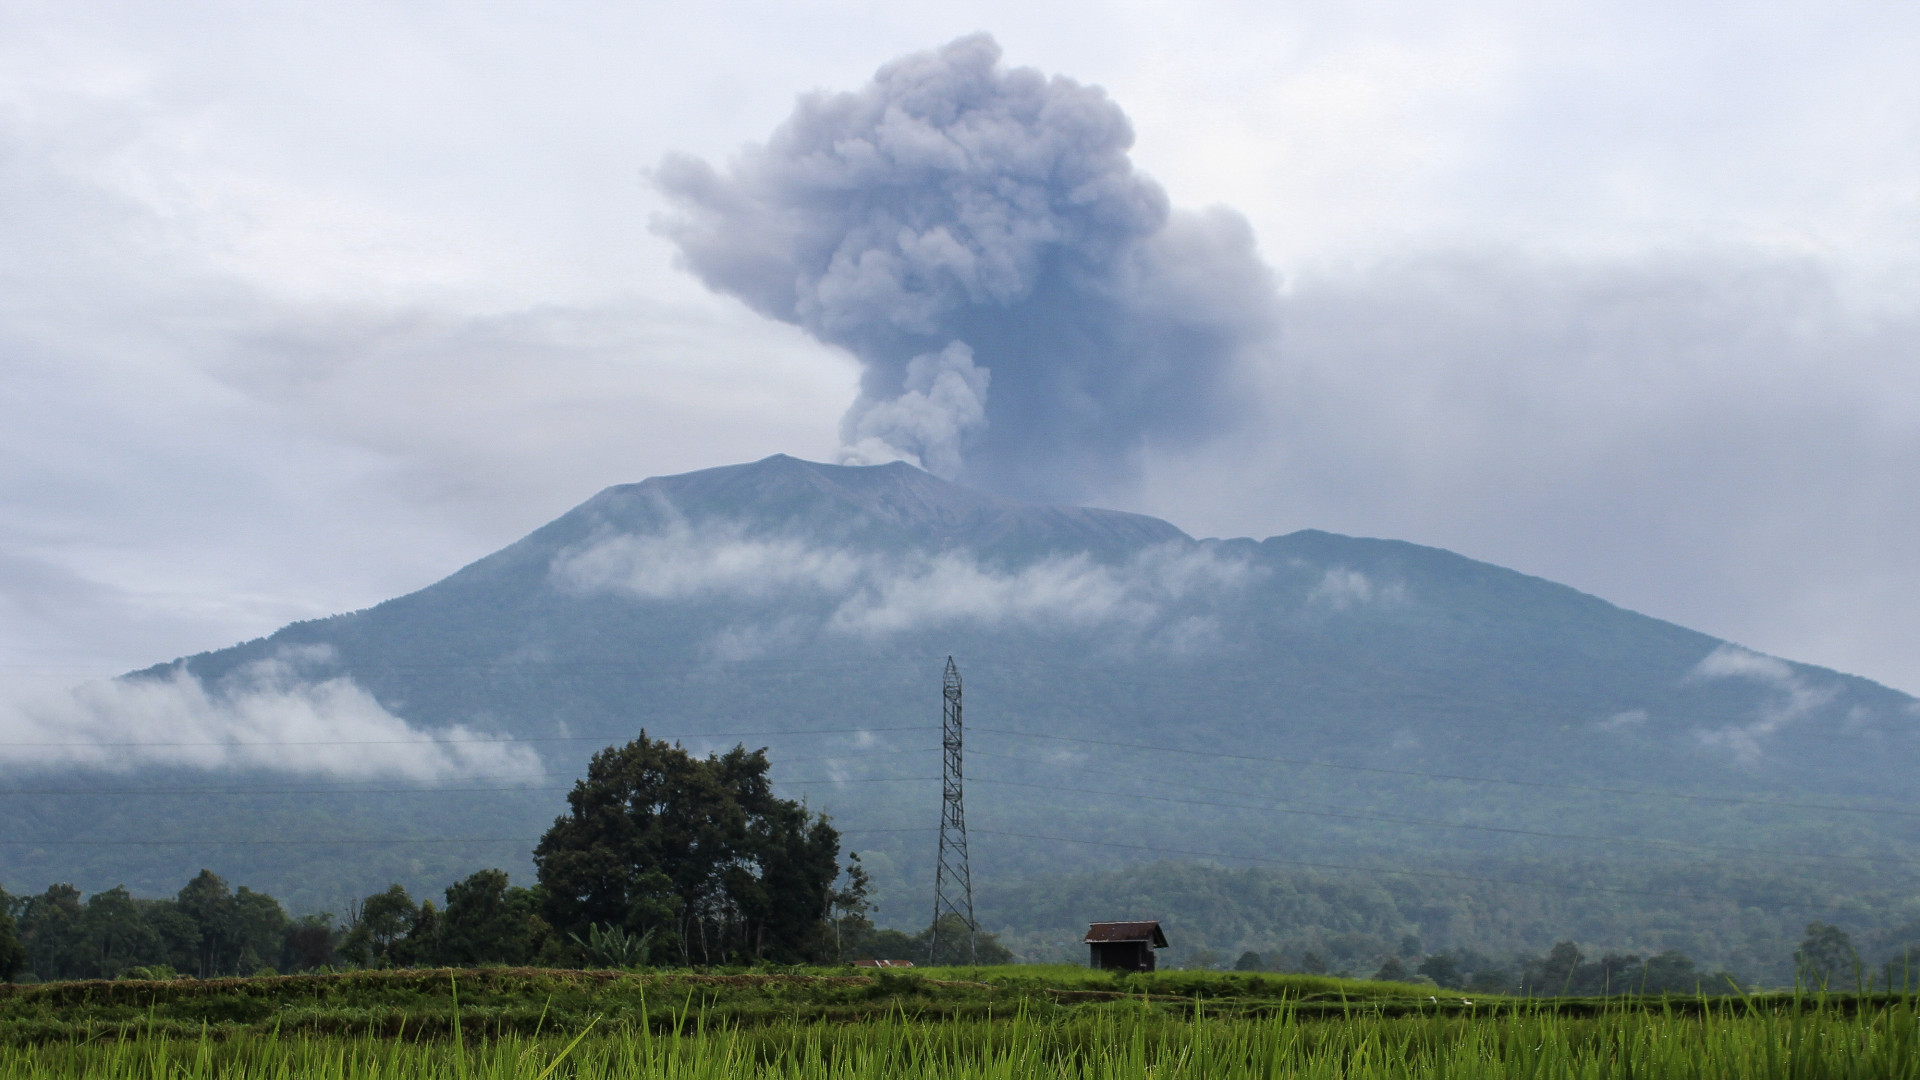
1643,792
1404,873
427,790
343,842
1669,845
505,741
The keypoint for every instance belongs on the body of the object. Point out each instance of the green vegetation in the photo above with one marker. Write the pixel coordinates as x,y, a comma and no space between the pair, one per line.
13,956
699,857
662,857
1584,715
1354,923
1009,1022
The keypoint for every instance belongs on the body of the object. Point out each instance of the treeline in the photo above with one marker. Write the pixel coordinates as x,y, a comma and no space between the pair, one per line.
662,858
1562,971
1353,923
207,929
210,930
1826,960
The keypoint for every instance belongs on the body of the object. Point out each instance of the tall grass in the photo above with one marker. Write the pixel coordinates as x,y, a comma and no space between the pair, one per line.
1720,1041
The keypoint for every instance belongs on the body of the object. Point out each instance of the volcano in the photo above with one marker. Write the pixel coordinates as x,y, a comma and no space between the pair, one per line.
1132,693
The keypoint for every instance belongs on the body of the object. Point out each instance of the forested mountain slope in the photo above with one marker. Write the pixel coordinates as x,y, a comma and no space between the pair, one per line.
1311,698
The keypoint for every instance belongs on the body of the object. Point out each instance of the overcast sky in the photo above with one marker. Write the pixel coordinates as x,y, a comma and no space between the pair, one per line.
305,306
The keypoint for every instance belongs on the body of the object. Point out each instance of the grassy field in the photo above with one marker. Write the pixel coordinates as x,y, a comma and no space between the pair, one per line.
988,1023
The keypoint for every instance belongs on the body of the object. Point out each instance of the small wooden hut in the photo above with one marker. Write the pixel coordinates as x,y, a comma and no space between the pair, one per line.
1124,946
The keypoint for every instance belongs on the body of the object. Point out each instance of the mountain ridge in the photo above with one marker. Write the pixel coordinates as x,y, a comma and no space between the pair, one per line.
977,521
1343,686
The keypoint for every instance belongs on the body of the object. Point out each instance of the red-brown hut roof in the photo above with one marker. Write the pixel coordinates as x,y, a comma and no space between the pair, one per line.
1126,931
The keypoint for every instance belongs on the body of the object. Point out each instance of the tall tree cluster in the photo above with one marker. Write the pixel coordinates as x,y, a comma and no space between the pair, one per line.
485,920
694,855
662,857
206,929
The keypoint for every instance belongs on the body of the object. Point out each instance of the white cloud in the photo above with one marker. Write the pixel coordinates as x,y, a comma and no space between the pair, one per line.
1076,591
1734,662
1624,719
1341,588
712,559
1073,591
870,593
1795,698
736,643
267,715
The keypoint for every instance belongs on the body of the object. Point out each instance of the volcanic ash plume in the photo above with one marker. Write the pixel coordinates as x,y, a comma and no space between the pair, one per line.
960,226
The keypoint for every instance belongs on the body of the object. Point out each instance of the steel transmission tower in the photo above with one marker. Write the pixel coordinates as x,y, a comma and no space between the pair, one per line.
952,880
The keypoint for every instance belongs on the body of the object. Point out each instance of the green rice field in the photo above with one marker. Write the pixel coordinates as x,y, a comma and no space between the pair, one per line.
1005,1023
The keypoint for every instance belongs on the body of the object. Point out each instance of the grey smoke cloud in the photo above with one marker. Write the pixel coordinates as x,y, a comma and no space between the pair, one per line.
1028,310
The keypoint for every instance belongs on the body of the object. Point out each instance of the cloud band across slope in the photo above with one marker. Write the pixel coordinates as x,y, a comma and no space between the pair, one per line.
276,714
845,591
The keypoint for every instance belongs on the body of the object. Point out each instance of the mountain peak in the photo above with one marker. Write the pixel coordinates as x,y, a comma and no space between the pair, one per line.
894,503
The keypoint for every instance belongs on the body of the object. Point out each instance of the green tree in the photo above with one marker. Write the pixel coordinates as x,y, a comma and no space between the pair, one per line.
1902,970
1490,980
889,944
1443,969
1392,969
235,932
209,903
847,909
309,942
896,945
50,933
259,926
1249,961
179,935
1826,955
1670,972
421,946
697,852
375,924
114,935
489,922
1555,973
13,955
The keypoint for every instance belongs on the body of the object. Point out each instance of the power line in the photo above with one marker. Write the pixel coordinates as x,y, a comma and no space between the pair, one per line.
424,789
1284,808
345,841
1403,873
1467,779
505,741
